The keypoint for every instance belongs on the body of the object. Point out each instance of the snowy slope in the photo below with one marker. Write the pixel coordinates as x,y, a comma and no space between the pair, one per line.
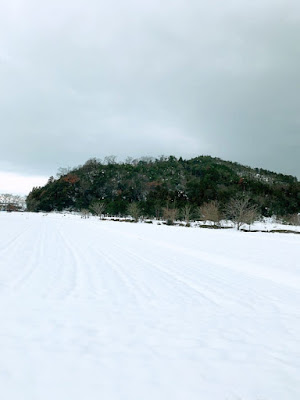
95,310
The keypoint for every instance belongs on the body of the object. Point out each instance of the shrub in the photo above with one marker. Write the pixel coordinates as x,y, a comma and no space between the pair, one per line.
98,208
134,211
170,215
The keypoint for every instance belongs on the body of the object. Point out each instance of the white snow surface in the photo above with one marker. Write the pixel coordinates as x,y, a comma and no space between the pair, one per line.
94,309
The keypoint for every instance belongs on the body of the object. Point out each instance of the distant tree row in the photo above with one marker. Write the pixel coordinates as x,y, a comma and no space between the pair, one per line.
12,202
239,210
160,186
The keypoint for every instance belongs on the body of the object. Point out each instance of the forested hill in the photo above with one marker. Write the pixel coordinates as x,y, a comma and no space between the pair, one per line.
166,181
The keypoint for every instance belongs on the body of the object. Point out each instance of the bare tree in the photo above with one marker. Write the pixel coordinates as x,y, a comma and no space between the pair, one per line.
62,171
84,213
134,211
147,159
157,210
98,208
294,219
251,215
170,214
211,212
186,211
110,160
128,160
241,211
12,202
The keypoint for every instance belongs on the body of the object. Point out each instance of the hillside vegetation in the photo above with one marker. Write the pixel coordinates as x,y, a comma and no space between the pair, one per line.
166,182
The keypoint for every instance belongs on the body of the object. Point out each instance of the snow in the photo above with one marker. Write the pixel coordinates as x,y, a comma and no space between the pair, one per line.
94,309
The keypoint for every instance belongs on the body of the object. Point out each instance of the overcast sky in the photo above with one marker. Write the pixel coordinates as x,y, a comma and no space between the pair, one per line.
88,78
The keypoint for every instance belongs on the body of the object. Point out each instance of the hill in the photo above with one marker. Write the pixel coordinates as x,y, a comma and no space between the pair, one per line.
166,181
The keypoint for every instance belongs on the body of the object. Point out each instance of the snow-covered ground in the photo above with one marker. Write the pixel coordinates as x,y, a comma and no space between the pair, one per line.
108,310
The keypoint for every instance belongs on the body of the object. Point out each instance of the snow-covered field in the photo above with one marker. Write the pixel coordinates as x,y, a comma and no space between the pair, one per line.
107,310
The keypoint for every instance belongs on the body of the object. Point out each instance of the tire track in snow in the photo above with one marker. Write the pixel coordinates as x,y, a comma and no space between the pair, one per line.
211,287
32,263
145,273
139,270
132,291
6,247
178,279
82,278
67,270
86,277
214,286
178,284
107,279
10,255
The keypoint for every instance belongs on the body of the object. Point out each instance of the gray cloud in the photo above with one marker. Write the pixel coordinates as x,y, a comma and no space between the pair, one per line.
87,78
